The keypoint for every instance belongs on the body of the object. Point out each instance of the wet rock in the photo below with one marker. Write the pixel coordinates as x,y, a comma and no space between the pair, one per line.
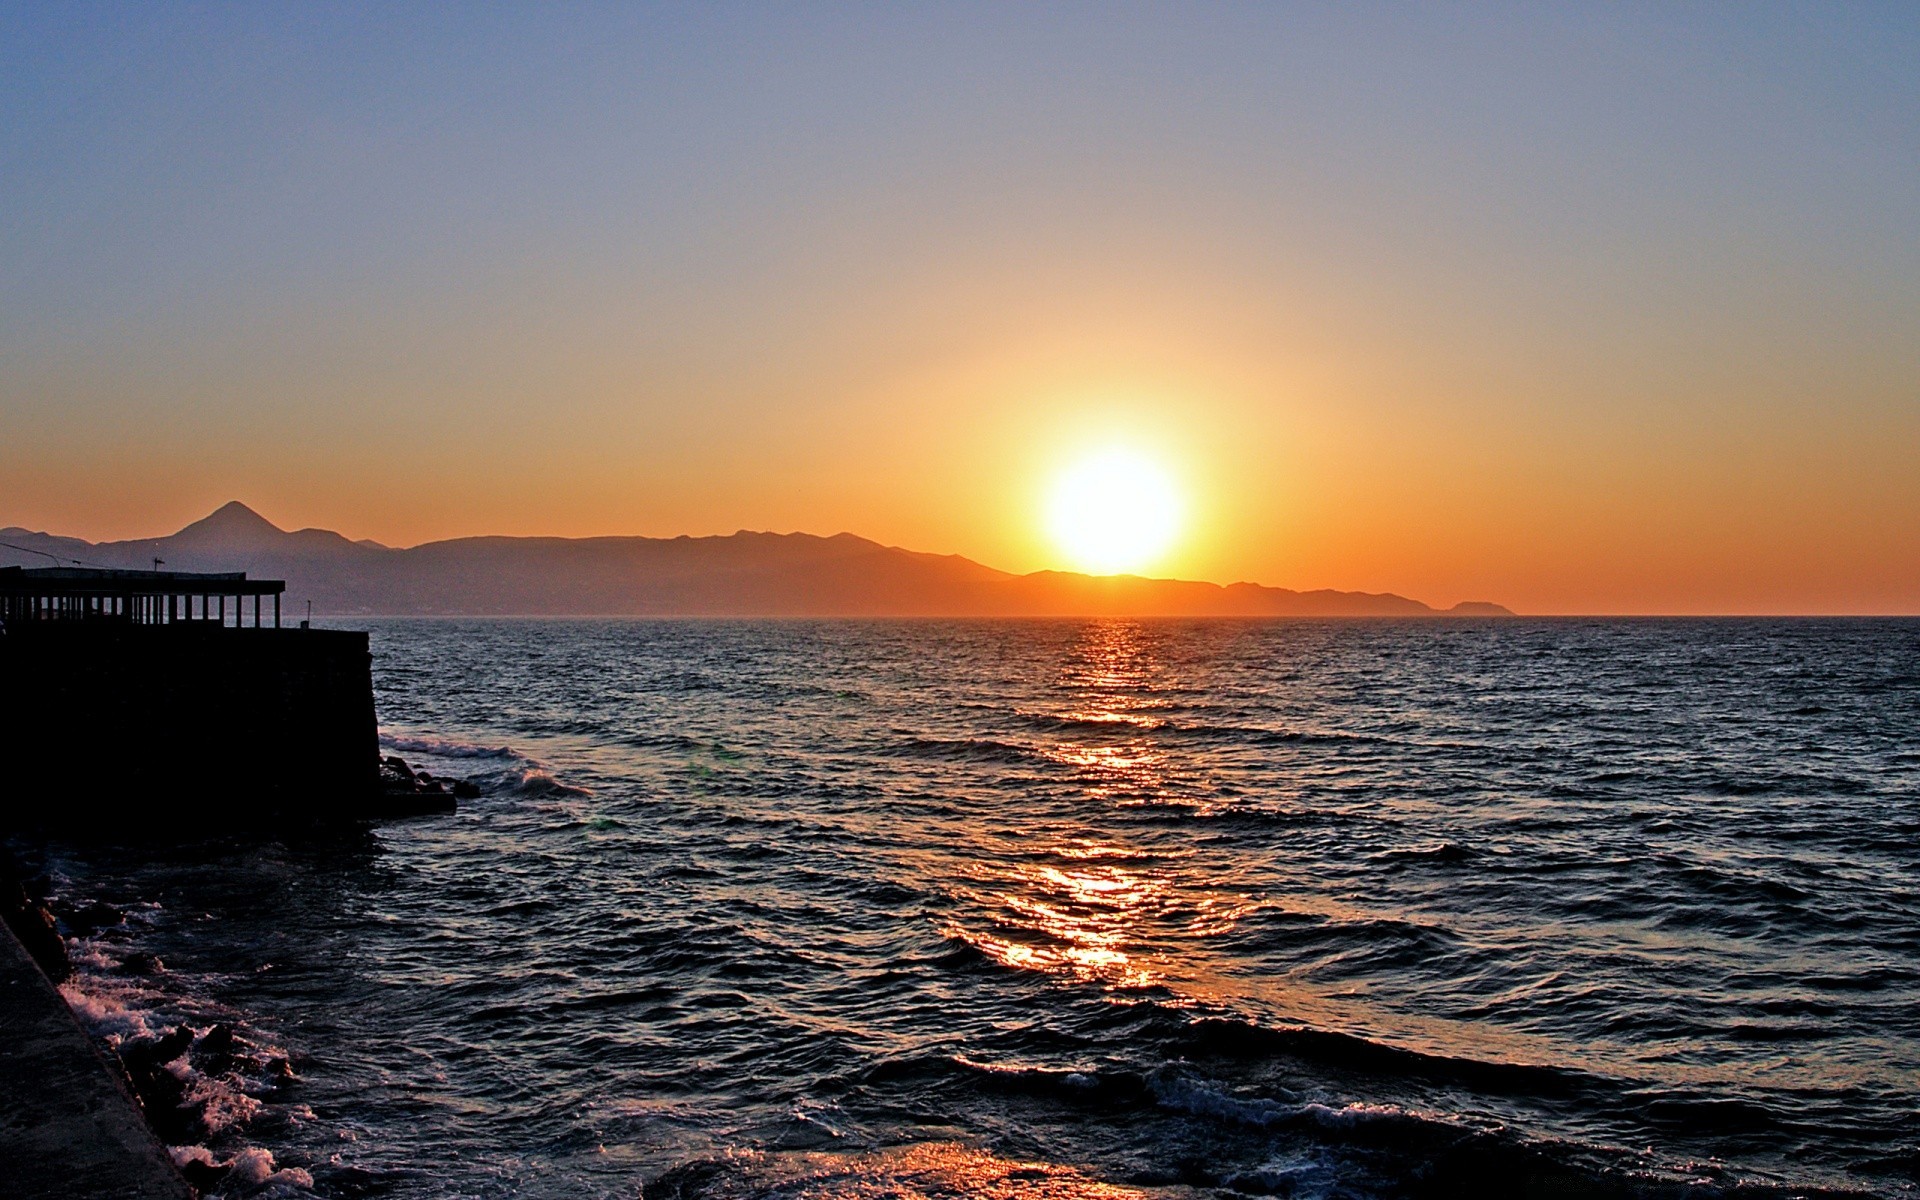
90,918
218,1049
34,926
218,1040
205,1177
276,1074
162,1094
465,789
142,963
405,792
152,1052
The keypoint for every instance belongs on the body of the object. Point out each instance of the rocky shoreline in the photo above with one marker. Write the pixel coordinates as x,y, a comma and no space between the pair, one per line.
409,791
168,1072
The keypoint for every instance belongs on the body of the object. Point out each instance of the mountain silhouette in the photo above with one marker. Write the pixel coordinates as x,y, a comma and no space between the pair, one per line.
742,574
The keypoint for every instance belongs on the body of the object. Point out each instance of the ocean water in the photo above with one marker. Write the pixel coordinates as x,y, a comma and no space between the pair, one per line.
1076,909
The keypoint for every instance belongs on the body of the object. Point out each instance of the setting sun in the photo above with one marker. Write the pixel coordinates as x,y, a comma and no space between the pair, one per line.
1114,511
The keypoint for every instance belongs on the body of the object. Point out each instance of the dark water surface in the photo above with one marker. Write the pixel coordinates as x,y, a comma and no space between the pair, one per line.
1082,909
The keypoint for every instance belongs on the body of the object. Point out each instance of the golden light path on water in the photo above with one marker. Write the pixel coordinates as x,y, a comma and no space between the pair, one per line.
1133,918
1090,913
923,1172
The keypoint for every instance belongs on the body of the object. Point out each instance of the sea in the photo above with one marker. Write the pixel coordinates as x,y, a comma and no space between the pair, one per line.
1102,908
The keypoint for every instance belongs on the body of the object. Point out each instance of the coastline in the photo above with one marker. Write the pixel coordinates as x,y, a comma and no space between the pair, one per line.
69,1127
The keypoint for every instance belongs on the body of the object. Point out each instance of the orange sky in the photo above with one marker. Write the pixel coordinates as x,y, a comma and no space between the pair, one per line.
1572,313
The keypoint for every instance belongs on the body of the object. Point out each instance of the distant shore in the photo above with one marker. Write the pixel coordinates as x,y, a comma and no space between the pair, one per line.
744,574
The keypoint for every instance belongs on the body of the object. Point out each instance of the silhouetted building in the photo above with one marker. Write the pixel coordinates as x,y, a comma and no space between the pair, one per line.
138,597
134,697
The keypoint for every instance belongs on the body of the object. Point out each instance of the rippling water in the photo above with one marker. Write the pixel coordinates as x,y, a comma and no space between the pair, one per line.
1087,909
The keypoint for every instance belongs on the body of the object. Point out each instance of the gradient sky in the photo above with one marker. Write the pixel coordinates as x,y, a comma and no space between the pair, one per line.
1600,309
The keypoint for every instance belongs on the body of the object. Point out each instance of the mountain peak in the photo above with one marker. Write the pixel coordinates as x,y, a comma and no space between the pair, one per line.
231,520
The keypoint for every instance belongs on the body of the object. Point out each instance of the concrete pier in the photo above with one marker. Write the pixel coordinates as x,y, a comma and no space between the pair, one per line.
189,726
69,1129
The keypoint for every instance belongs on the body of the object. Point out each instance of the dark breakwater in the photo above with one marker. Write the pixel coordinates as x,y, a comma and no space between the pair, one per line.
108,724
1078,908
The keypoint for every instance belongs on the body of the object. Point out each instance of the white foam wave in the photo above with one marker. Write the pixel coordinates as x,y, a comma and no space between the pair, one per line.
254,1167
120,1011
106,1016
251,1172
1303,1178
89,956
446,747
533,782
1349,1116
223,1107
1182,1094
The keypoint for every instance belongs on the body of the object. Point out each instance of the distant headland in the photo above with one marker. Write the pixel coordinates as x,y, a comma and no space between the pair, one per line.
741,575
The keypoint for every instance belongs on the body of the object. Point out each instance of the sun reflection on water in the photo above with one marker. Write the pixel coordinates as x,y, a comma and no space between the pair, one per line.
1097,909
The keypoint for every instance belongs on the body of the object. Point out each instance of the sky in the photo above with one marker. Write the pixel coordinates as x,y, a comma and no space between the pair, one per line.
1584,309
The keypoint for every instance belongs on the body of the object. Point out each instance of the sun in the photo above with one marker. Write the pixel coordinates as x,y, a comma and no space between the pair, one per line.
1114,511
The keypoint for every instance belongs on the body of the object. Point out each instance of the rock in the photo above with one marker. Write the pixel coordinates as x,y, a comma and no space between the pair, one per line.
142,963
91,917
465,789
219,1050
161,1094
205,1177
218,1040
34,926
152,1052
405,792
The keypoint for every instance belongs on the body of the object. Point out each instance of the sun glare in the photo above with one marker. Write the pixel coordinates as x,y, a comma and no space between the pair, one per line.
1113,511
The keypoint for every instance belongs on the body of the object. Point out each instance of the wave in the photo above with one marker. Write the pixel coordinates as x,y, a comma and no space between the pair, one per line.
495,770
1243,1040
981,750
924,1169
531,781
1155,727
1357,1149
1369,1146
446,747
252,1169
202,1075
1442,854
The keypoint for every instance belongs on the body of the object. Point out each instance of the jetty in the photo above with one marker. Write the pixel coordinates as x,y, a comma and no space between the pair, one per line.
130,699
